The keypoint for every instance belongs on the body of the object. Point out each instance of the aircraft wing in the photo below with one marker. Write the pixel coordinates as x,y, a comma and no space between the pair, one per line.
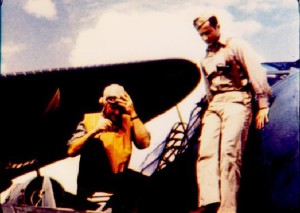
41,109
284,65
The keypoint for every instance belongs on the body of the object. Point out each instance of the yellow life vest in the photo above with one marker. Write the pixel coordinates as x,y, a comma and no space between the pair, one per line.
118,145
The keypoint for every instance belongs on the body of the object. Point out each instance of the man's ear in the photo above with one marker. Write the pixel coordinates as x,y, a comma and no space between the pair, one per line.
101,101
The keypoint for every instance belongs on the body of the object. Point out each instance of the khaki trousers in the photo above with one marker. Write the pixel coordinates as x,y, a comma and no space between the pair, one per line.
224,132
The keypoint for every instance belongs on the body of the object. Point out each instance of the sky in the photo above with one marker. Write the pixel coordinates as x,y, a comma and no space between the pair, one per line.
47,34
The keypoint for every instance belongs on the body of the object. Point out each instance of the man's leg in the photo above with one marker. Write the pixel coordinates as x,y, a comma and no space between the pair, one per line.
236,119
208,176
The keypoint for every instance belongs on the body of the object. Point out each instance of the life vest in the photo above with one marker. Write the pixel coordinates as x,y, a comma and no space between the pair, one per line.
118,145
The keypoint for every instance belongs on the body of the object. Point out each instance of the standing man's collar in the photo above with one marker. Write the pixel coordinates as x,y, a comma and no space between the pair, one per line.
223,39
221,43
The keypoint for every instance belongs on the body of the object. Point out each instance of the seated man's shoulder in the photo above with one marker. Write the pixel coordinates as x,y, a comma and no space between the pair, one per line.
92,115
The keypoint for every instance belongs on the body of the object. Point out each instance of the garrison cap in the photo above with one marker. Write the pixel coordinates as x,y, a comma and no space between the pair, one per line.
200,20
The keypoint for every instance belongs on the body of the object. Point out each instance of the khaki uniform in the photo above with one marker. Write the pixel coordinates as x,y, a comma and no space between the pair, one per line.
227,120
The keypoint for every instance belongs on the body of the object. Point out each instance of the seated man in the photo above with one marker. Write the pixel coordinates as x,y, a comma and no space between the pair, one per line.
104,141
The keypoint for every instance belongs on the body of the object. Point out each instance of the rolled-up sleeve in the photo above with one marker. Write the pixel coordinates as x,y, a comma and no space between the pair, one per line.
80,131
255,71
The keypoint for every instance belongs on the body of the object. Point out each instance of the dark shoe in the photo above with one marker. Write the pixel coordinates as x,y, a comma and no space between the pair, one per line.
199,210
212,208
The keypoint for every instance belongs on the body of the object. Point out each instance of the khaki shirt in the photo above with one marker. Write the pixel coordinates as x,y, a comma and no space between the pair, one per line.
251,70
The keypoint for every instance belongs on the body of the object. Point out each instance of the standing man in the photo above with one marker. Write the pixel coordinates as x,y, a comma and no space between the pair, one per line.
104,141
234,74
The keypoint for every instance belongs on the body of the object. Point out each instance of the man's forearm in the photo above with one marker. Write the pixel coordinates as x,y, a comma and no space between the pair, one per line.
77,143
141,134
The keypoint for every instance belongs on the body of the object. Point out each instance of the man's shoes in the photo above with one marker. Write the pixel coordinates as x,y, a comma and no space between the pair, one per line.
210,208
199,210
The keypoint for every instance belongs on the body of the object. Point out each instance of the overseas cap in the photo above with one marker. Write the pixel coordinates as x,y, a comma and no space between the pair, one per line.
200,20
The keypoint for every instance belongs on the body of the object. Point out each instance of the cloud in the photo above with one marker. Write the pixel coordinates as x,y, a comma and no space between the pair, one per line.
244,29
216,3
120,36
266,5
10,49
7,51
62,42
41,9
251,6
3,68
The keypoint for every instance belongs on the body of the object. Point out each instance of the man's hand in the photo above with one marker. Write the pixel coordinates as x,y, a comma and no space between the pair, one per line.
262,118
104,124
127,104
